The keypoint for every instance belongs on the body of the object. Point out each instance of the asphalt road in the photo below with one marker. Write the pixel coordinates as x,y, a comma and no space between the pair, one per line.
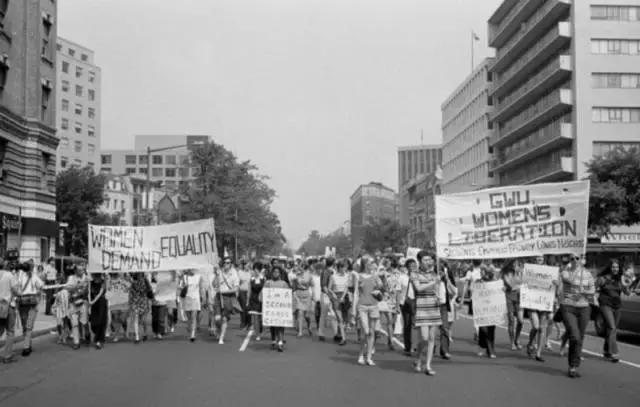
177,373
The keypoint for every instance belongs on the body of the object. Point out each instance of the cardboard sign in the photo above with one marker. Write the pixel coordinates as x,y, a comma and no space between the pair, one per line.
277,307
132,249
515,221
538,290
489,303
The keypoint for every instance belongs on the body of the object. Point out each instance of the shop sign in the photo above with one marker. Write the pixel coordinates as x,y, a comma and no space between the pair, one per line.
9,223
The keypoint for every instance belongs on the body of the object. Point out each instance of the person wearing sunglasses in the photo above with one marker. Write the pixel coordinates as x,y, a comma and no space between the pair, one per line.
226,284
576,293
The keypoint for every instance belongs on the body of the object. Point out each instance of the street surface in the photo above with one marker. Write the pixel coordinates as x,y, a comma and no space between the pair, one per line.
175,372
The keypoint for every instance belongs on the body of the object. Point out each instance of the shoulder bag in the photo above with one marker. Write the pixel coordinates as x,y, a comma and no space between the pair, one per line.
27,300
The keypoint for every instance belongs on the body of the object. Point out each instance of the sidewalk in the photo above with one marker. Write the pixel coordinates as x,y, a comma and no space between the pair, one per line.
43,325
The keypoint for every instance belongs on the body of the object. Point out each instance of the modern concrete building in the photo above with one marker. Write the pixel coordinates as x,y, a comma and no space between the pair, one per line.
414,161
78,106
466,133
28,143
371,202
171,166
565,85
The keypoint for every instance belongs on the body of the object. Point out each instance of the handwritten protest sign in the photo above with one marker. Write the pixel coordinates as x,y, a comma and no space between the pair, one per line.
489,303
516,221
538,290
130,249
277,307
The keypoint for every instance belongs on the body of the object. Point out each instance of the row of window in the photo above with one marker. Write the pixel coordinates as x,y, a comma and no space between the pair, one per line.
615,114
158,172
107,204
603,147
91,130
615,13
615,80
132,159
79,71
78,109
91,93
72,53
77,144
64,161
615,47
459,141
470,157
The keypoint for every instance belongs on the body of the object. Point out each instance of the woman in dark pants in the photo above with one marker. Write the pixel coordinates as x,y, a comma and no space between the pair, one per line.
408,307
610,286
487,334
99,309
449,291
576,291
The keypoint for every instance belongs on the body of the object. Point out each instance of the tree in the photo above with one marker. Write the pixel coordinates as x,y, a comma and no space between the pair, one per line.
615,189
315,244
382,234
106,219
79,194
237,197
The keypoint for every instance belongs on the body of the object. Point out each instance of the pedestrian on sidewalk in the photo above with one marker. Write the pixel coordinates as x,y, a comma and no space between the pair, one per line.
8,290
30,286
577,290
99,309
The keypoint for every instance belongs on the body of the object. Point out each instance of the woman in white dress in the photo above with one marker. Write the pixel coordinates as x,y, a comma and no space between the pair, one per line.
192,290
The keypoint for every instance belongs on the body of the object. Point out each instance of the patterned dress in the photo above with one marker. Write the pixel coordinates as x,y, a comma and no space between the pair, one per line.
138,301
427,305
255,305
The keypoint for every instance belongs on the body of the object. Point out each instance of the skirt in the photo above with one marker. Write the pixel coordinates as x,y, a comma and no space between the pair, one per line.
302,300
427,310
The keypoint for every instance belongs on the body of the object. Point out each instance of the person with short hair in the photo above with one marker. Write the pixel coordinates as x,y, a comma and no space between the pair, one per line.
192,290
8,314
368,294
425,284
327,270
407,301
50,275
30,289
610,286
301,285
277,282
99,309
254,304
226,284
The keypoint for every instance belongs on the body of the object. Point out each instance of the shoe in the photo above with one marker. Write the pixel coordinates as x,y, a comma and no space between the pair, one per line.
361,360
192,339
98,345
539,358
408,353
321,338
26,351
144,338
446,356
561,352
514,347
530,351
116,339
492,356
481,353
172,330
280,346
220,341
75,346
337,338
614,359
258,338
548,346
370,362
417,367
343,342
573,373
390,346
159,337
518,346
430,372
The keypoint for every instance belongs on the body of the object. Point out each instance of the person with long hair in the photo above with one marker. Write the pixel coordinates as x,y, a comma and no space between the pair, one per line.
610,286
511,277
537,335
98,317
576,291
226,284
254,304
78,287
193,289
139,306
337,291
425,284
487,334
30,286
368,294
301,284
276,281
407,303
447,291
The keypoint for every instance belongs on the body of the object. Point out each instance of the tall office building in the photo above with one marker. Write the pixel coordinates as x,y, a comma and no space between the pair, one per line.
78,112
28,31
466,133
171,167
372,201
565,86
414,161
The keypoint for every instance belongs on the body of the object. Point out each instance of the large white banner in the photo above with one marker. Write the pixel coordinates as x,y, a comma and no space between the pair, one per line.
130,249
277,307
538,290
516,221
489,303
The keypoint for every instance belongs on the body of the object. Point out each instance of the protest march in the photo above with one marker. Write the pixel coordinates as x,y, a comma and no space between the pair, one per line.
505,254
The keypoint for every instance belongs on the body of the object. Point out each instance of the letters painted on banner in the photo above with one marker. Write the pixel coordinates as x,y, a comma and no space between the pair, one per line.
489,303
516,221
538,288
130,249
277,307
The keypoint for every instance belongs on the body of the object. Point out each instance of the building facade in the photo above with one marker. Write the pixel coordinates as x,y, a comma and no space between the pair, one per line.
414,161
28,142
126,199
171,167
466,133
371,202
78,106
566,86
421,192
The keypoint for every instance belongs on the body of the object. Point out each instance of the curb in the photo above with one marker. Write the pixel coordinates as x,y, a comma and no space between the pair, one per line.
35,334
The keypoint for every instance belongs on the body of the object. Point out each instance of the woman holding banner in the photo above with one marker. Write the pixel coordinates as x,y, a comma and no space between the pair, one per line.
425,284
576,292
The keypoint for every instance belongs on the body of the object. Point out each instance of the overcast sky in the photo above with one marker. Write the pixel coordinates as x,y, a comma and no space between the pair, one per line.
318,93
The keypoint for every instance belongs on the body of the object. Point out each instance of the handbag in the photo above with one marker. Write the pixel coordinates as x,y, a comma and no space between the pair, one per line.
27,299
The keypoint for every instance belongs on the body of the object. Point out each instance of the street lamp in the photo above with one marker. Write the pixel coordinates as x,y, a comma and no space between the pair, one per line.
157,150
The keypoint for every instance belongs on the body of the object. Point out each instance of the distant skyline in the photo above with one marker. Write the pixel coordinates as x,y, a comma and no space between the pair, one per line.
318,94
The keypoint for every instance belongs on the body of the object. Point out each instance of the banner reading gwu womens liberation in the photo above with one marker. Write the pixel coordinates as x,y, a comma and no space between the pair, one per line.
176,246
515,221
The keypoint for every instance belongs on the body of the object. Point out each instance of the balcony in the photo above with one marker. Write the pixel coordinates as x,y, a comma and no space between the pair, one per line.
560,170
554,104
548,138
552,75
518,72
530,32
510,24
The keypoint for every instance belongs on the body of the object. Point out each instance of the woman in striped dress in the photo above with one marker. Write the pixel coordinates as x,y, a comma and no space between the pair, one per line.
425,284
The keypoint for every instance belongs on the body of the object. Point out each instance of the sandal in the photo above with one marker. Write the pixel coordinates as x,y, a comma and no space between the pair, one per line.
430,372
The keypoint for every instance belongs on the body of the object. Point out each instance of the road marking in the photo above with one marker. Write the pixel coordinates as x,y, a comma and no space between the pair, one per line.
588,352
246,341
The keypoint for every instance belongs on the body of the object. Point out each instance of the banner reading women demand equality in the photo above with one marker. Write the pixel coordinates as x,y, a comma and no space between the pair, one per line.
516,221
130,249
